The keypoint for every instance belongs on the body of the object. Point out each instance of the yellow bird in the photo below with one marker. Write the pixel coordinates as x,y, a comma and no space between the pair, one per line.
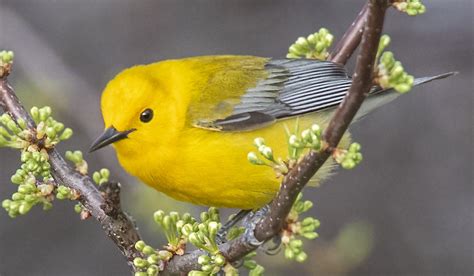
185,126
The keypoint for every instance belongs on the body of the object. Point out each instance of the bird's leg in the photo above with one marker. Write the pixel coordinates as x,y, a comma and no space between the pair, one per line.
221,235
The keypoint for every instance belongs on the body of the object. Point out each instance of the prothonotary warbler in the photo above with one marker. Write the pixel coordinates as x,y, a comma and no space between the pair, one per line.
185,126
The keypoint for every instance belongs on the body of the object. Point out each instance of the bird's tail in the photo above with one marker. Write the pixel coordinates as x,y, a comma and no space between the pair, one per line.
379,97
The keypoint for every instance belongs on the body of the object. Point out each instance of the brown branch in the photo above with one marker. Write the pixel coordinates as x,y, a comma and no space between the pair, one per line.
297,178
350,40
116,224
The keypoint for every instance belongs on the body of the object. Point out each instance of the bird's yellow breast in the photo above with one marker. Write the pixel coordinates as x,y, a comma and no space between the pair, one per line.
211,168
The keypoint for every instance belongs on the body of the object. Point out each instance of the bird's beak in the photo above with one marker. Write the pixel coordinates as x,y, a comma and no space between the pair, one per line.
110,135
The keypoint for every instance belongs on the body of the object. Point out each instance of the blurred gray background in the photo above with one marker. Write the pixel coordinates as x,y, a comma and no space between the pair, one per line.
406,210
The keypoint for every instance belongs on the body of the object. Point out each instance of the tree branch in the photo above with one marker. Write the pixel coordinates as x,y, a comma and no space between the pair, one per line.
351,39
117,225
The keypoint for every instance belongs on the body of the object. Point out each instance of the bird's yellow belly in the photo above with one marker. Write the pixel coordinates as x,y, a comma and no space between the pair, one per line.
211,168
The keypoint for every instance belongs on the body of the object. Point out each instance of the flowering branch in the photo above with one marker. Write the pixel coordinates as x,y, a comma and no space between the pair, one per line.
103,205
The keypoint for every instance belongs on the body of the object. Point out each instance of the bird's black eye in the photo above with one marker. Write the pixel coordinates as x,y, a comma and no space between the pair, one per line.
146,115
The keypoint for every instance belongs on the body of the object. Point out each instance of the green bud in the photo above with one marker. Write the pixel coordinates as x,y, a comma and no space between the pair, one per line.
96,177
306,135
310,235
17,179
219,260
34,111
387,59
289,253
18,196
267,152
207,268
158,216
3,141
319,46
204,216
140,263
179,224
67,133
253,159
152,270
203,259
214,213
78,208
6,204
51,132
308,228
6,57
307,205
301,257
307,221
148,250
11,125
384,41
58,127
294,243
31,198
186,217
174,216
166,222
194,239
4,132
187,229
43,115
295,142
26,188
153,258
104,172
355,147
140,273
348,164
403,88
139,245
24,208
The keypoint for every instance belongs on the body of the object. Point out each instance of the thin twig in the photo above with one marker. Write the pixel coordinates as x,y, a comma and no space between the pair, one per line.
350,40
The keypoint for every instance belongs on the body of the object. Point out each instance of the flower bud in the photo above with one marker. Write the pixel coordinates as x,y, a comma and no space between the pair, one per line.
267,152
301,257
204,259
67,133
153,258
259,142
139,245
253,158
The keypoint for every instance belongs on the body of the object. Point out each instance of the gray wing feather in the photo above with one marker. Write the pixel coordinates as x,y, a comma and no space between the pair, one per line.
293,87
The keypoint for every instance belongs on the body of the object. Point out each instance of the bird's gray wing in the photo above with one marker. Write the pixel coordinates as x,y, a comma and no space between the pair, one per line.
291,87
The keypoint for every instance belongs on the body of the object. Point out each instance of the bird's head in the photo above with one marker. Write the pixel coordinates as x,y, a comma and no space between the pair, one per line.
136,108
